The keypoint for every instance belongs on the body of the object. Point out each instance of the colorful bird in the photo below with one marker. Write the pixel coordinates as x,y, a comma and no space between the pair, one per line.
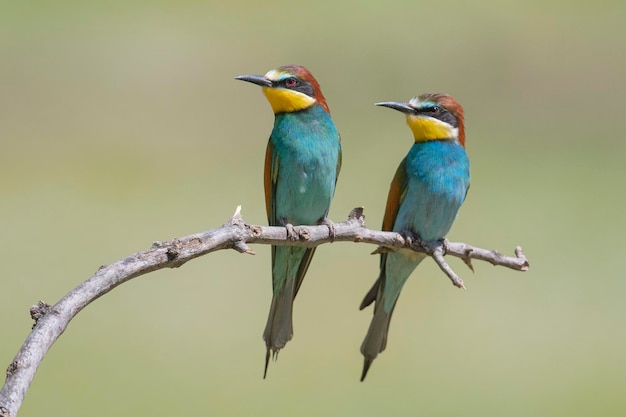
429,187
302,162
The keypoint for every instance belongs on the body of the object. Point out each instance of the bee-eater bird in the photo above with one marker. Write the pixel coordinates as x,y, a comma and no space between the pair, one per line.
302,162
426,192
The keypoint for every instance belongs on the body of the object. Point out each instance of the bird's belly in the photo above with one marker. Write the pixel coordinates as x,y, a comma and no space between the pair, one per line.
303,195
437,181
429,213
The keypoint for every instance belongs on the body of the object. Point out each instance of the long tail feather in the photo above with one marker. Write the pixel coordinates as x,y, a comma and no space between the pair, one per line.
289,268
376,339
370,297
279,327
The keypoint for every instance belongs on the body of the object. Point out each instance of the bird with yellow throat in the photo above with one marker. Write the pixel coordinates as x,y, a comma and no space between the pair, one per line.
426,192
302,162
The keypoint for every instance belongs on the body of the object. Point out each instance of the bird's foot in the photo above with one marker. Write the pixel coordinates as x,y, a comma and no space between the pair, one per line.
291,232
411,238
431,247
332,229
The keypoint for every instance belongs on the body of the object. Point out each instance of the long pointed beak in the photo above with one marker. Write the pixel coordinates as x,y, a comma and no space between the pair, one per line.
255,79
402,107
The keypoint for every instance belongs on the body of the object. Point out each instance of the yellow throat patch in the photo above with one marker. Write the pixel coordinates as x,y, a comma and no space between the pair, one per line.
283,100
426,128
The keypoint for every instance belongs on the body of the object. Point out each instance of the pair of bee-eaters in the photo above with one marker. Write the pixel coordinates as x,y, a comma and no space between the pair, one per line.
302,163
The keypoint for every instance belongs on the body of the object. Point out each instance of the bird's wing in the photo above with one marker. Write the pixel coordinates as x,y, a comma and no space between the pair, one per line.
304,266
338,161
269,180
397,191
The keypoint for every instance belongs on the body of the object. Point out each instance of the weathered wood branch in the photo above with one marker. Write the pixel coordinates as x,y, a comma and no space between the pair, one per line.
51,321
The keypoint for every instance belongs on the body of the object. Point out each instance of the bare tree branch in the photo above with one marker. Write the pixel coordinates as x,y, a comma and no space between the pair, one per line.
51,321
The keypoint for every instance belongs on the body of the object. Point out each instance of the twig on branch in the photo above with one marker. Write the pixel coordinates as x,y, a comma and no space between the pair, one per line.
51,321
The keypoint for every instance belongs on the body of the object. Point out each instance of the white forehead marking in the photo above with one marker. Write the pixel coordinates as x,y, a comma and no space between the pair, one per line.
277,75
414,102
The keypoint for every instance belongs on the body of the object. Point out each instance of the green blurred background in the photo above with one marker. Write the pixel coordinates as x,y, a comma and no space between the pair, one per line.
121,124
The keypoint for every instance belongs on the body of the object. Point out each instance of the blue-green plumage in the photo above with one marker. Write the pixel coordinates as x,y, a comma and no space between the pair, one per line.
302,162
437,179
428,189
306,145
305,154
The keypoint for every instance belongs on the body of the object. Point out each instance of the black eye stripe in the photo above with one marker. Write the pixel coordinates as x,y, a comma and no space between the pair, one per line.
431,109
286,82
440,113
296,84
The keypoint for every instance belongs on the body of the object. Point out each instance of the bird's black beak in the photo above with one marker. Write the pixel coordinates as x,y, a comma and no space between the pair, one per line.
255,79
402,107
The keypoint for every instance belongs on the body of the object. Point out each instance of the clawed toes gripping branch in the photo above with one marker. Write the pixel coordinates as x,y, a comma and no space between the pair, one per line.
51,321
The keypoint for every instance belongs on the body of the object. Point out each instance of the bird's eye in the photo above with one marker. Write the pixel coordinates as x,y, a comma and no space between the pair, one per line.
290,82
432,110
